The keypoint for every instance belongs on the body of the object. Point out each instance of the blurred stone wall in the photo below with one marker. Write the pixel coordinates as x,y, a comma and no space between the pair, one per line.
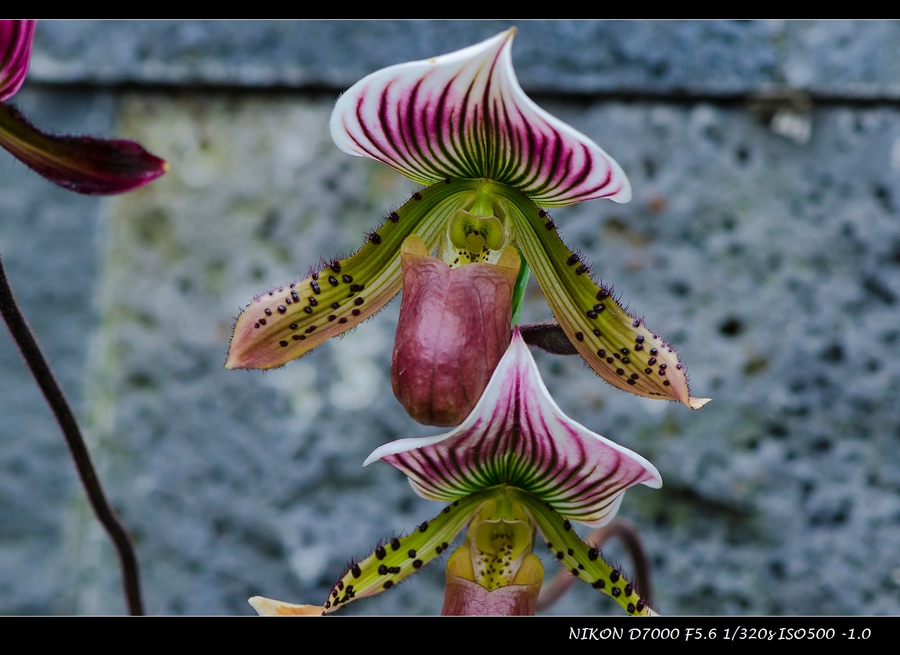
763,240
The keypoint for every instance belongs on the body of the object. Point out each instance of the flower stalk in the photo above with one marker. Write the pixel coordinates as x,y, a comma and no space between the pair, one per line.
89,166
65,417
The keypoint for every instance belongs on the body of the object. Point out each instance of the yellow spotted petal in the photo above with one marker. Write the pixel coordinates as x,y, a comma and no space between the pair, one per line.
615,343
586,562
398,558
291,320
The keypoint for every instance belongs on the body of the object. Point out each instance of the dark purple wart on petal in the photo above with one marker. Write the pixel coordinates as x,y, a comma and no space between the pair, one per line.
81,164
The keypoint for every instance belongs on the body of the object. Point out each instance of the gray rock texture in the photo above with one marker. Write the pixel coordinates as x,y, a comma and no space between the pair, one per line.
771,263
857,59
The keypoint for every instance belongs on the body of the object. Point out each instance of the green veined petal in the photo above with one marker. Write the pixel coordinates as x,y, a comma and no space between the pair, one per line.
519,292
292,320
400,557
616,344
582,560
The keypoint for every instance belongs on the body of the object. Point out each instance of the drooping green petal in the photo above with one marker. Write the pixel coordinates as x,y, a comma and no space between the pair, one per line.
400,557
464,116
290,321
518,436
614,342
82,164
16,37
582,560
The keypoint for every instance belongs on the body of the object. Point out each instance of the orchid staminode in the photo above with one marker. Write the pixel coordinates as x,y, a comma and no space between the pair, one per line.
515,464
78,163
461,125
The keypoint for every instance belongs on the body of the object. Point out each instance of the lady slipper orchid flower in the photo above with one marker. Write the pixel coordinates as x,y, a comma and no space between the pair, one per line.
78,163
461,125
516,464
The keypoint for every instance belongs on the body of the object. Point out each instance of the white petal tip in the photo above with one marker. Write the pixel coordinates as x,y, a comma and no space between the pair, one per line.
656,481
269,607
697,403
624,195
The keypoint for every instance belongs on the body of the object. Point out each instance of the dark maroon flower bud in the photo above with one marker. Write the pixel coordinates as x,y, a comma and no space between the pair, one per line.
82,164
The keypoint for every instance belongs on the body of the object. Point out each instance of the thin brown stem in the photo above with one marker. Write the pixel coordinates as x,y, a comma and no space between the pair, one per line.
40,369
632,542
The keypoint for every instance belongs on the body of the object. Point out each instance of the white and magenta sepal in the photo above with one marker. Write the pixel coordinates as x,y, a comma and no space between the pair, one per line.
518,436
464,116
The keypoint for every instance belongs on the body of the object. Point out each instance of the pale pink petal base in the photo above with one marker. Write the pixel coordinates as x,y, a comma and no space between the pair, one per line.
518,436
464,116
466,598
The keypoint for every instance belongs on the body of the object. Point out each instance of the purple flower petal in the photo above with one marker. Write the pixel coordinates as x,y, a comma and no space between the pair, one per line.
15,53
464,116
518,436
79,163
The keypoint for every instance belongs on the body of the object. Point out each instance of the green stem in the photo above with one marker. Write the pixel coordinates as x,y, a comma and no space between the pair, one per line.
519,290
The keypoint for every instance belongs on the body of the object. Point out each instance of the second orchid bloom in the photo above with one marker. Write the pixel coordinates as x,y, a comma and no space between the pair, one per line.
462,125
517,464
